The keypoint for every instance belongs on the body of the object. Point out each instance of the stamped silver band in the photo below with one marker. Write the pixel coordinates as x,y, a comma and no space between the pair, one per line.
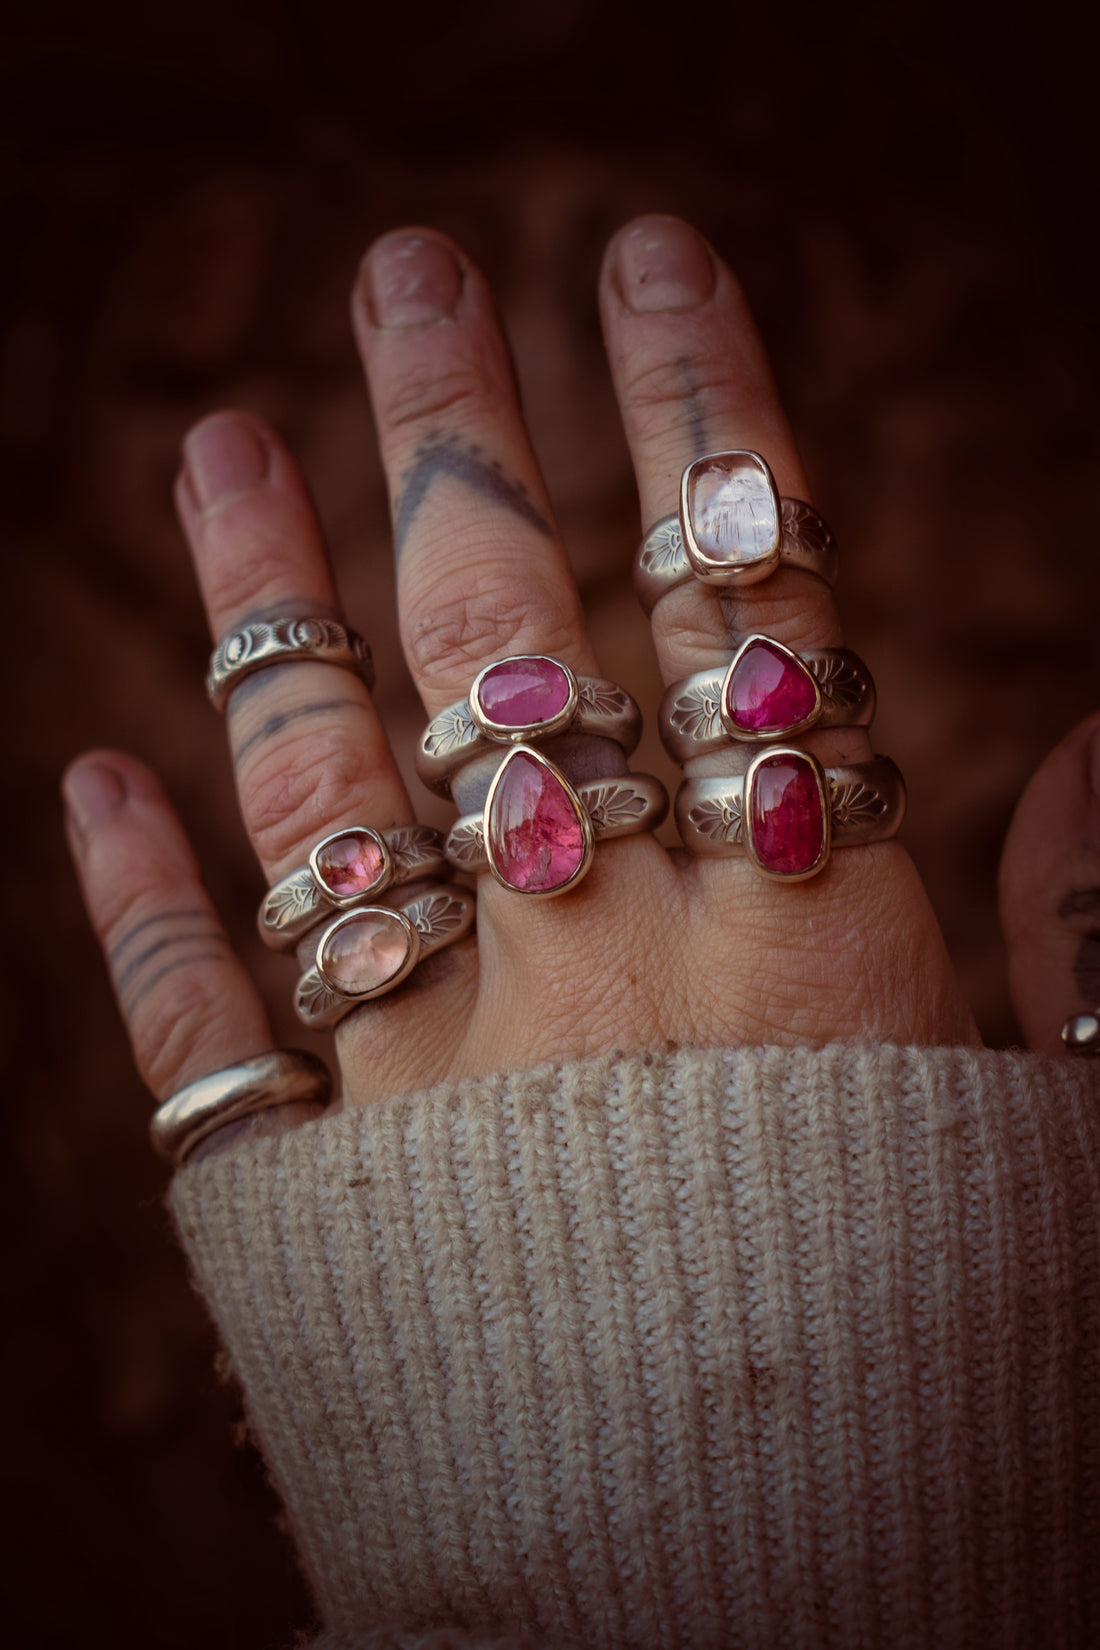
367,952
272,1079
766,692
732,529
278,641
519,699
349,868
787,812
618,806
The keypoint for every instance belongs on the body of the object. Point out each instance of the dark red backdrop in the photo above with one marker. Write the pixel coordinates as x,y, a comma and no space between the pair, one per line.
186,193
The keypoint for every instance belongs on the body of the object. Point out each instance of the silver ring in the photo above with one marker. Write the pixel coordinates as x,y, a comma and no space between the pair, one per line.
366,953
272,1079
278,641
537,832
767,691
523,697
732,530
787,812
348,868
1081,1033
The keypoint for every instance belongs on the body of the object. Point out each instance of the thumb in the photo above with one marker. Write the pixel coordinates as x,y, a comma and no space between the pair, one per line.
1050,890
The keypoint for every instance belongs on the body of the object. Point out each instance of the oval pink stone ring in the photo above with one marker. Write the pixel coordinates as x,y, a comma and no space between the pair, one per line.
366,953
732,529
537,832
767,692
526,697
788,812
345,870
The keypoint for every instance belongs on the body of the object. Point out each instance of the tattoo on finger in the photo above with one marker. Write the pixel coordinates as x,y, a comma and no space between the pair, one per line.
442,457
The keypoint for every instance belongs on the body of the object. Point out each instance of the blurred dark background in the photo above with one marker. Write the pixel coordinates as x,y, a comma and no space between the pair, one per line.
907,195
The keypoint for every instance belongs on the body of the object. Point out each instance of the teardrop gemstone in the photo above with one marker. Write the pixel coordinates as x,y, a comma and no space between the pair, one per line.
534,830
523,691
785,812
365,951
768,691
350,864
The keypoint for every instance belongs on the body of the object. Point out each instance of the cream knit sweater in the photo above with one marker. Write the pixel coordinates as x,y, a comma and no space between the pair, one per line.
772,1348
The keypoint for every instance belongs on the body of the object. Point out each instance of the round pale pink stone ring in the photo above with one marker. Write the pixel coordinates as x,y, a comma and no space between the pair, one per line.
345,870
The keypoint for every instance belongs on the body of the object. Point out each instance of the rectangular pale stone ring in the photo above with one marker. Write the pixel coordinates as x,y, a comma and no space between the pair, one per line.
732,529
767,692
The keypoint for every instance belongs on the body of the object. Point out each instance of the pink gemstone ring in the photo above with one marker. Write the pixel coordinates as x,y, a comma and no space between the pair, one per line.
732,529
788,812
366,953
515,700
538,832
347,869
766,692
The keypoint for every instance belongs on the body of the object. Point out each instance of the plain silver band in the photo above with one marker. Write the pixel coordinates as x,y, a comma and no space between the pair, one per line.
867,804
253,647
272,1079
1081,1033
296,904
452,738
662,561
617,807
690,716
441,915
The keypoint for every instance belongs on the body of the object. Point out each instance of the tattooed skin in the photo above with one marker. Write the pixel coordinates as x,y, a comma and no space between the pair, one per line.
133,980
1085,902
694,416
440,456
283,719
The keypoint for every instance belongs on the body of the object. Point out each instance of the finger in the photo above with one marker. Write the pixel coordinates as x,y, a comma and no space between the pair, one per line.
188,1004
309,751
481,572
692,377
1050,890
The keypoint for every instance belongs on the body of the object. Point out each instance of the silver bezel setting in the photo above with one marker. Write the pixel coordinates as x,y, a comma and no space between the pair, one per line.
708,568
344,902
412,953
748,736
758,761
502,733
587,832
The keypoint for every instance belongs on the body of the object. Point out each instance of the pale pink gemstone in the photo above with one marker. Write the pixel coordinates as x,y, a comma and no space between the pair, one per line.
349,864
731,507
365,952
785,815
534,835
520,692
768,690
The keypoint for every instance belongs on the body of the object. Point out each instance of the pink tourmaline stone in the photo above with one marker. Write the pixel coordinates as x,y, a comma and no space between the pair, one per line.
534,835
349,864
368,949
520,692
768,691
785,815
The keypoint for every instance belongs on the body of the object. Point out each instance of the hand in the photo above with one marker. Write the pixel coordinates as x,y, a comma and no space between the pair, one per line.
653,947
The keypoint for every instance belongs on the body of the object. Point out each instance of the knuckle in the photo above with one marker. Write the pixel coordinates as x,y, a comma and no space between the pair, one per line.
660,392
172,1023
294,789
460,629
427,394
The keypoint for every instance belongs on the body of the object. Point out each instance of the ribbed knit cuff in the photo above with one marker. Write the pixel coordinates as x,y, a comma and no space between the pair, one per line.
755,1347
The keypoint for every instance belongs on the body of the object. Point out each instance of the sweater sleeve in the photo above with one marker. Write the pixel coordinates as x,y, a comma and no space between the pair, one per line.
739,1348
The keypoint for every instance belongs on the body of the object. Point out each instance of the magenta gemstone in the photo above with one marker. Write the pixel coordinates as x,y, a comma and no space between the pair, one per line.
785,815
534,833
521,692
349,865
366,951
769,691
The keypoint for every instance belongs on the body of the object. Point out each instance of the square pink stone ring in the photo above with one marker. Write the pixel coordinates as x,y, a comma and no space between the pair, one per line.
347,869
732,529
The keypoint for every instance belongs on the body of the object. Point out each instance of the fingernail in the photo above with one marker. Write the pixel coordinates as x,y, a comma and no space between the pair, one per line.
412,280
224,459
1094,763
663,264
92,792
